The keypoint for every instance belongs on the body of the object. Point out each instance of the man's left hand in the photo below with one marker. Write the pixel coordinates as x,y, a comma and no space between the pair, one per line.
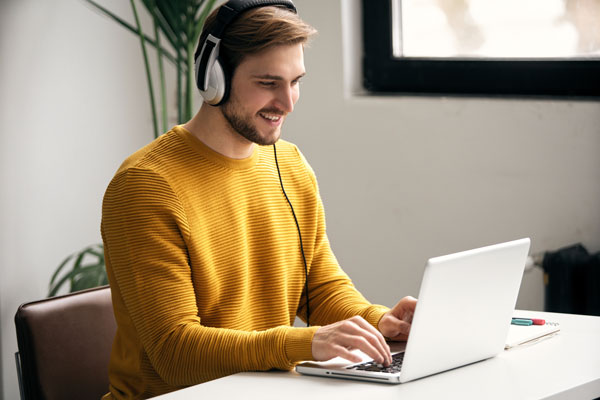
395,324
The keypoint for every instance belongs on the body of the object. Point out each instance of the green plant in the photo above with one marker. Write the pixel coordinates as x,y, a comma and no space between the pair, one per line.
180,23
87,270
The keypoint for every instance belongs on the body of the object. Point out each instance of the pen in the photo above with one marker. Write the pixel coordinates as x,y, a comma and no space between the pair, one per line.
534,321
520,321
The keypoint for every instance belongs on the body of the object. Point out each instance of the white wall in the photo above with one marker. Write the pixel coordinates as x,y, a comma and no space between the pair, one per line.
402,178
406,178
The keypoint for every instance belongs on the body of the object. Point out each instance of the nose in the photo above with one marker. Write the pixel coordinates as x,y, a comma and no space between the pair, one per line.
287,97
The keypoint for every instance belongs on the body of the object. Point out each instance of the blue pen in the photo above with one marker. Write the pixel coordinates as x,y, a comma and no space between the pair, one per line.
524,322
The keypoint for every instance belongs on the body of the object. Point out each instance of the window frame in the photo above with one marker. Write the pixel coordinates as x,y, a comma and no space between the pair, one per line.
547,77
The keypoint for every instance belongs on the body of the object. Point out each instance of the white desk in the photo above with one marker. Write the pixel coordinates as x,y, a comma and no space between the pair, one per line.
565,366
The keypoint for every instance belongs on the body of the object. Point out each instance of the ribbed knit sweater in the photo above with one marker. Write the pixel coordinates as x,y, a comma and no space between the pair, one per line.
203,258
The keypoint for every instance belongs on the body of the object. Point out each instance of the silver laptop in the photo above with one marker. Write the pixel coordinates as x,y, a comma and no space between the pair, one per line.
463,315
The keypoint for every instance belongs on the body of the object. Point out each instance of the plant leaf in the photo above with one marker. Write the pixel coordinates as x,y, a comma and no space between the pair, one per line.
87,278
147,67
169,22
132,29
60,267
80,267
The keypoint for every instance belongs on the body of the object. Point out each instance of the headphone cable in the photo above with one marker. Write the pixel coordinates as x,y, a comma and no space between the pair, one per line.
299,235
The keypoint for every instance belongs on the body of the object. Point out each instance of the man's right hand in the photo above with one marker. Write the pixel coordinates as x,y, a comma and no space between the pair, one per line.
340,338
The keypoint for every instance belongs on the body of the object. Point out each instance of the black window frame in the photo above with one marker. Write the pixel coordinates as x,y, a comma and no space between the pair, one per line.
384,73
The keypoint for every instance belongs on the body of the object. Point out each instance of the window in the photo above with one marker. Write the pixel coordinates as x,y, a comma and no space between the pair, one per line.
482,47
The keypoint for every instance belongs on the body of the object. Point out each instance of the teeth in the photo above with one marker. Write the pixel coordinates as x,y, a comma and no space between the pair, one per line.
271,117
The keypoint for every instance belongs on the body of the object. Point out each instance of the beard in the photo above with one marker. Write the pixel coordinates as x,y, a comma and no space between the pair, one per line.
244,126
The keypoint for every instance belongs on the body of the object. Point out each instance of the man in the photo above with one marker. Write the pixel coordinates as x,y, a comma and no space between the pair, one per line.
211,256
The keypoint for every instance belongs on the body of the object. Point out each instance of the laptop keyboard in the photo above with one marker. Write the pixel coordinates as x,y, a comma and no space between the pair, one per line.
394,367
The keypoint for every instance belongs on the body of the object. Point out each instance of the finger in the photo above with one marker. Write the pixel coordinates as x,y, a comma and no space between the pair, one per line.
410,304
381,342
374,338
401,335
405,305
363,344
367,326
397,327
408,316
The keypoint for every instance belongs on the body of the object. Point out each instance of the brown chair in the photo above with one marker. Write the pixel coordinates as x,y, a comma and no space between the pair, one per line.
64,345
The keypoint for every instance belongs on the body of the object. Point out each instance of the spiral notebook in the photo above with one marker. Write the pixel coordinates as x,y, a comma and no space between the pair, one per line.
527,335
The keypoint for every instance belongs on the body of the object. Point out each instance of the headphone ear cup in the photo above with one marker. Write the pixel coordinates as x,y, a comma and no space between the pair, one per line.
215,90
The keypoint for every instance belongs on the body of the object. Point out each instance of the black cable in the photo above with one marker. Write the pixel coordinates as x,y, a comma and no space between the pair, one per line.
299,235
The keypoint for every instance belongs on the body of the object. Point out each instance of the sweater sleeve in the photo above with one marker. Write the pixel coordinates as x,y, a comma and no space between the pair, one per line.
333,296
145,233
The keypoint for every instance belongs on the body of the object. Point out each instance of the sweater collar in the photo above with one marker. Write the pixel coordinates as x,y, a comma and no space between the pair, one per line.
214,156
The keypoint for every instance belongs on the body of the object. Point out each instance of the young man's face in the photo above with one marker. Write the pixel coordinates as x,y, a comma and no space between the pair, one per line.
264,89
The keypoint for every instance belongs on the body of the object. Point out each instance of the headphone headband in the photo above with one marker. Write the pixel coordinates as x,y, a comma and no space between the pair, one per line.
233,8
208,68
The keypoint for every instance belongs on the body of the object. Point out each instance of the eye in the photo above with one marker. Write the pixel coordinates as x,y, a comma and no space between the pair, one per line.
266,83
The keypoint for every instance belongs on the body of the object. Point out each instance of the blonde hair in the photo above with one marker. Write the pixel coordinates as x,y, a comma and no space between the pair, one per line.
255,30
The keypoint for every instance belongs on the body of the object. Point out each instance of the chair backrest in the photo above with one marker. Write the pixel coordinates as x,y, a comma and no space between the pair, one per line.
65,344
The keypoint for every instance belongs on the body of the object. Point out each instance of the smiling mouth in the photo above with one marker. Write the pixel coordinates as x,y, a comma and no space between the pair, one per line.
270,117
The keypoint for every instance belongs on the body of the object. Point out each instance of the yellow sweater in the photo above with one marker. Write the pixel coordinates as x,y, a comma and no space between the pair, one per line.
204,262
